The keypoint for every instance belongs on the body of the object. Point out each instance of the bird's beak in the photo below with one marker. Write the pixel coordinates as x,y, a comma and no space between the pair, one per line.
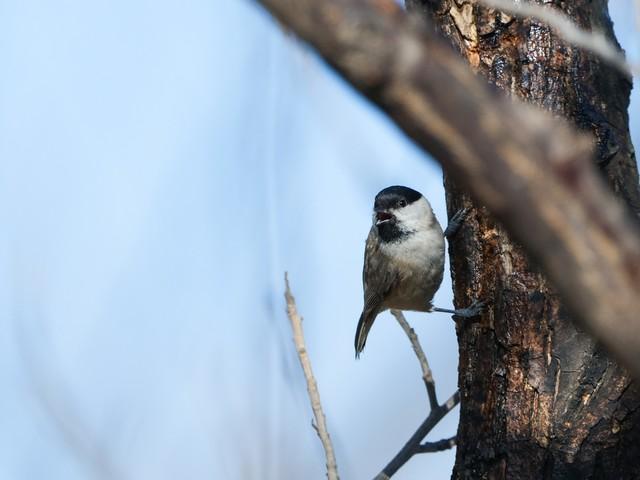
383,217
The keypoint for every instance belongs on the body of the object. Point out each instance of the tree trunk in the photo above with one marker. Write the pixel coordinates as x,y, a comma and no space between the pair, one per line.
539,397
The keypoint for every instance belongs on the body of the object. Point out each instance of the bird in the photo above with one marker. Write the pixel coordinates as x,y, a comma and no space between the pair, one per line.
404,258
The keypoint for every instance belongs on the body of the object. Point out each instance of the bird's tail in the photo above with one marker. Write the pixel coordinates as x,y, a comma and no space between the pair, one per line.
364,325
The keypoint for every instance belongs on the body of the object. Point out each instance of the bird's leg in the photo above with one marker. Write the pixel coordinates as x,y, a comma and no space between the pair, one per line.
455,222
472,310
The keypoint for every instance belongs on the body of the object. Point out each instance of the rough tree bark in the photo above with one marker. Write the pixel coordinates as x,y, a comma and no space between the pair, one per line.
539,398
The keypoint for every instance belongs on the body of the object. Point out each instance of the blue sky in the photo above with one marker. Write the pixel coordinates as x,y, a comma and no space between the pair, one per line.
162,164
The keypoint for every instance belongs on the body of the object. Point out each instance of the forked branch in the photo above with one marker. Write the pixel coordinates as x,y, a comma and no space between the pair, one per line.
414,445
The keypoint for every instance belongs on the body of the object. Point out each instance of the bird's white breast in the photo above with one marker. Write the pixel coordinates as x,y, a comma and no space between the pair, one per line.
419,257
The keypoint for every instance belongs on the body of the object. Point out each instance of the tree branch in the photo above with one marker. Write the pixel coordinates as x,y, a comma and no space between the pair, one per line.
312,387
429,383
530,170
413,446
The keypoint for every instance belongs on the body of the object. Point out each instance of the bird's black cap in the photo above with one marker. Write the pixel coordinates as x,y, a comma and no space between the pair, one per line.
391,197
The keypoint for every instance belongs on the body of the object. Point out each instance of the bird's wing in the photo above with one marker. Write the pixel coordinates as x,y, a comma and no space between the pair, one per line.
378,277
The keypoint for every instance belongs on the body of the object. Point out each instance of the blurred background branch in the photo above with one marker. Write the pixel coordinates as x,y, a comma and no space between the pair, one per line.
530,170
56,399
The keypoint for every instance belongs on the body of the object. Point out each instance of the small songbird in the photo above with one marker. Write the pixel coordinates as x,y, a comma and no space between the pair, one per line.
403,258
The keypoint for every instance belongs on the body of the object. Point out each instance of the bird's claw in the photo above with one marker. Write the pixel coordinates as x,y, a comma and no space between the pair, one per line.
460,215
456,222
472,310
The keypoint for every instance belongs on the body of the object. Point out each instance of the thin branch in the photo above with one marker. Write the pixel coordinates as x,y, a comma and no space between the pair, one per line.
429,383
594,41
439,446
320,425
413,445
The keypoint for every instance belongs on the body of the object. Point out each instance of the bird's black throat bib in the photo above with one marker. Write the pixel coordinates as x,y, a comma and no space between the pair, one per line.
389,232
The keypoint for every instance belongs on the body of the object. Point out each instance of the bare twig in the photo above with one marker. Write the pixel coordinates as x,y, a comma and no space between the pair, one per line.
439,446
595,41
422,358
320,425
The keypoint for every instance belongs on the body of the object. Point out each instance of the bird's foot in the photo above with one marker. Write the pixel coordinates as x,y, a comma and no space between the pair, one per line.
471,311
456,221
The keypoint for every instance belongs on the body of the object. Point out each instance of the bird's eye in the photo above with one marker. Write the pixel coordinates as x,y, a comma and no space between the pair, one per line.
402,203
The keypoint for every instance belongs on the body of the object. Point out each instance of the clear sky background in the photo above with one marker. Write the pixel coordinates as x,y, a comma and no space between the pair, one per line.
161,165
